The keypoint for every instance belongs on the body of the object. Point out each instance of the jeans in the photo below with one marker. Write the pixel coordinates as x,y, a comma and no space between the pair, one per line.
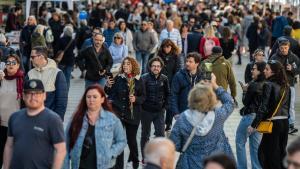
292,107
101,82
26,64
142,58
157,118
67,70
241,139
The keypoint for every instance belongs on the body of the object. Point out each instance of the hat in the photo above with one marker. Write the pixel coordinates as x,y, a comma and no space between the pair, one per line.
283,41
34,85
217,50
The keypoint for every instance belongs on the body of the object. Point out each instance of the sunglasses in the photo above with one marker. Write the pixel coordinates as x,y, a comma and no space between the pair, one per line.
12,63
117,37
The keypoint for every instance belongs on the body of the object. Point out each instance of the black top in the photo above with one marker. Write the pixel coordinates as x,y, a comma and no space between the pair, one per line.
88,158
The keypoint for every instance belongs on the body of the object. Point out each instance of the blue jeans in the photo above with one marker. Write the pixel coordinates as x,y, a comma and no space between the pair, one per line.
67,70
241,139
142,58
101,82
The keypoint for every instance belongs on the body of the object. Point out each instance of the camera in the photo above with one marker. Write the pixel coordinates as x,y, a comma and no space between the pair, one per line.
207,71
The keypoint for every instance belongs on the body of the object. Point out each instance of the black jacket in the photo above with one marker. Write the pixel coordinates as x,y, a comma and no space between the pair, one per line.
252,36
69,56
253,97
272,93
119,95
157,92
25,40
294,46
172,65
194,39
292,59
87,59
227,46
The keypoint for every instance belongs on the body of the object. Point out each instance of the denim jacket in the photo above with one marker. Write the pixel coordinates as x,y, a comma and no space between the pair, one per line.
110,141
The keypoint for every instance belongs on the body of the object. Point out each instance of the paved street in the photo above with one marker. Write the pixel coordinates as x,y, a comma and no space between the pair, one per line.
77,88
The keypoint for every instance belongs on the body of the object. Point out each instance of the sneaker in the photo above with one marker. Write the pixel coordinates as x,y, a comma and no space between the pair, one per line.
292,130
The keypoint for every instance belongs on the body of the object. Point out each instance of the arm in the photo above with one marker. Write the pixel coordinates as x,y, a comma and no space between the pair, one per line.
120,141
141,94
167,93
227,103
248,96
59,155
134,41
8,150
61,95
231,81
125,51
247,74
179,41
109,61
176,135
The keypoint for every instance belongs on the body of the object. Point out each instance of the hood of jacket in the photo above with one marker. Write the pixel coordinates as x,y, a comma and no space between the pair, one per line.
202,121
50,64
216,59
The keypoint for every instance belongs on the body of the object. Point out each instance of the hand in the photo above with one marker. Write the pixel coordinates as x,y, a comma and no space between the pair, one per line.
214,81
251,130
132,98
110,82
2,74
101,73
289,67
245,87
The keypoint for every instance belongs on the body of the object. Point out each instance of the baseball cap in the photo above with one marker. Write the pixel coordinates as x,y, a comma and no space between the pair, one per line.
33,85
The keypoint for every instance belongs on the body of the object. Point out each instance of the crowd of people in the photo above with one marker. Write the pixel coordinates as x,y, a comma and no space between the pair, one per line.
147,63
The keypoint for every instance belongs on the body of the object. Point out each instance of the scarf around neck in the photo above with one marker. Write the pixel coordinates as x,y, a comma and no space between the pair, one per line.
19,76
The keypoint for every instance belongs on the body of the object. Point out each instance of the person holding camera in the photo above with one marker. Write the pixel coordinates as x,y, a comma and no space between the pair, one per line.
199,130
97,61
291,64
252,94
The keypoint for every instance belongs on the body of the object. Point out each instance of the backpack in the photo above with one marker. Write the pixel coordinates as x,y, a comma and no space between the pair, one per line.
49,35
208,45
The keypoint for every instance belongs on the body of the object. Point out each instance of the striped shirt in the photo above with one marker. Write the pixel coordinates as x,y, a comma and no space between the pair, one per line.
174,36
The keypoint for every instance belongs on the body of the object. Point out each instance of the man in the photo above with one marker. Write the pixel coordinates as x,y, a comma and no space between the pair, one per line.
25,42
278,24
35,134
56,89
89,41
294,45
221,68
194,38
183,81
12,20
171,33
109,33
292,64
97,60
292,161
157,95
160,154
143,43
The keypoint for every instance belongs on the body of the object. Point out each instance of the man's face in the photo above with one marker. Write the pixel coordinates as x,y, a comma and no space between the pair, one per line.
37,58
34,99
170,26
144,26
284,49
98,40
155,67
190,64
192,22
293,161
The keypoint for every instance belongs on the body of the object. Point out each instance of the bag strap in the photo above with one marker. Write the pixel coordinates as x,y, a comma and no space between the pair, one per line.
68,45
189,140
279,104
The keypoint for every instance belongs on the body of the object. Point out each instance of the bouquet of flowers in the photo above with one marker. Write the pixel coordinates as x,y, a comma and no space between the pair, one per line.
131,93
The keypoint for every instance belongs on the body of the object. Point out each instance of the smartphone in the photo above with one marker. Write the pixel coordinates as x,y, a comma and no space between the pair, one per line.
109,75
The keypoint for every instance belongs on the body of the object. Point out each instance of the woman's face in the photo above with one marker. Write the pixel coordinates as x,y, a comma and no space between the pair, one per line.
185,29
123,26
167,49
12,66
213,165
268,71
255,72
127,67
118,40
94,99
259,57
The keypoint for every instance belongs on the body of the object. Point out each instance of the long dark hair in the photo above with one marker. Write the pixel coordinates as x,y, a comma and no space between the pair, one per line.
279,75
168,42
79,114
261,67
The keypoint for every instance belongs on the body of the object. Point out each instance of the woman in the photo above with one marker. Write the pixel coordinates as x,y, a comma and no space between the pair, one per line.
94,136
168,52
128,38
11,88
208,41
219,161
37,37
272,149
118,51
127,94
227,43
252,94
208,122
68,60
258,56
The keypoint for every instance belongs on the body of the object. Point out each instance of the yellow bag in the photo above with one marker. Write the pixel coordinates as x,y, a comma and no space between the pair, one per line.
265,127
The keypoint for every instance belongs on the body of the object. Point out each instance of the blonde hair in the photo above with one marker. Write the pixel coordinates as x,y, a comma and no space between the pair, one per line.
202,98
209,31
39,29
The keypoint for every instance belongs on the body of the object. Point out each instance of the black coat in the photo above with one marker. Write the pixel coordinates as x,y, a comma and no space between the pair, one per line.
172,65
87,59
252,36
119,95
57,30
272,93
194,39
294,46
69,56
25,39
157,92
227,46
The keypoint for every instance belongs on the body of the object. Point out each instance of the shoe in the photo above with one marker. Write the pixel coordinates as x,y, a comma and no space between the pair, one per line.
239,63
168,128
292,130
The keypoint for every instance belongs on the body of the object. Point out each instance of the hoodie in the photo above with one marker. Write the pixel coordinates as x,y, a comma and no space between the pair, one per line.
277,26
118,52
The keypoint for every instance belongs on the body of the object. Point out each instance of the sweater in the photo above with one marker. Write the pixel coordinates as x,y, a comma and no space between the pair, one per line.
143,41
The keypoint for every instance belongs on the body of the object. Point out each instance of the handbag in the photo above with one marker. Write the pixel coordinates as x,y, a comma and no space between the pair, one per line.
266,126
60,54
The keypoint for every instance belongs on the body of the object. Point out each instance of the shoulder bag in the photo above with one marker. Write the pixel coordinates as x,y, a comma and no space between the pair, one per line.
266,126
60,54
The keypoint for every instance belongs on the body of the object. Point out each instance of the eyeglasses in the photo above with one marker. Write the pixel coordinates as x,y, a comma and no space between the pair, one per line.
11,63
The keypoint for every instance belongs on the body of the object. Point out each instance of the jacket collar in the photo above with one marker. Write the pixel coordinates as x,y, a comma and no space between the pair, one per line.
137,77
